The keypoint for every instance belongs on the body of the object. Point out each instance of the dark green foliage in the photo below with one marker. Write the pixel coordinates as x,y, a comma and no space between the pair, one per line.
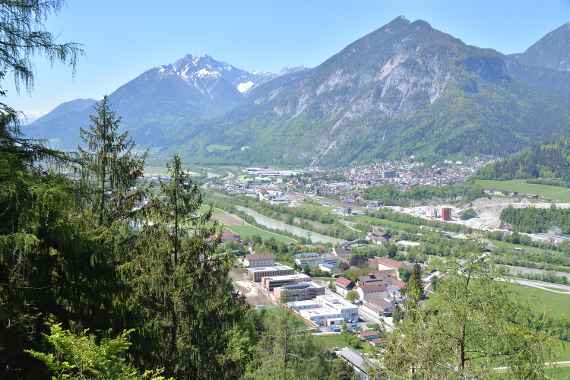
414,286
389,195
286,351
187,310
23,35
109,168
468,214
533,220
541,161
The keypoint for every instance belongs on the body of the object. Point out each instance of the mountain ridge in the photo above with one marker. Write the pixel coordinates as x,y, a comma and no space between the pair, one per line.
191,89
404,89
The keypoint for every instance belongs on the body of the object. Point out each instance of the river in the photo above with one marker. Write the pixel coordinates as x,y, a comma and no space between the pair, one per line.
282,226
524,270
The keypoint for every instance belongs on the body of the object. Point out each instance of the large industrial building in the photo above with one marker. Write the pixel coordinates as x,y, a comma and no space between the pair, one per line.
326,310
313,260
258,261
256,274
272,282
298,292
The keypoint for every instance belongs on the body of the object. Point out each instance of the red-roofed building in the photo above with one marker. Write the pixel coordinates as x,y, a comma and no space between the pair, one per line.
228,236
385,282
385,263
369,335
343,286
377,342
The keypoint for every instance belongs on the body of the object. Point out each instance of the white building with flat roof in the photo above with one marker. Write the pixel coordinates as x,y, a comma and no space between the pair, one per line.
256,274
271,282
326,310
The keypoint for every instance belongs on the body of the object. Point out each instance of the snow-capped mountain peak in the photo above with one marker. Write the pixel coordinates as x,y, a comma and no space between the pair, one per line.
245,86
205,73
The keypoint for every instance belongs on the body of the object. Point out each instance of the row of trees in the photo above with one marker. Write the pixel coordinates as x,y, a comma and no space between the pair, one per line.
533,220
390,195
541,161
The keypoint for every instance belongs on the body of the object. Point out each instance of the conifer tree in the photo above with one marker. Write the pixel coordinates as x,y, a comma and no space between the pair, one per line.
29,198
414,287
286,351
189,313
110,167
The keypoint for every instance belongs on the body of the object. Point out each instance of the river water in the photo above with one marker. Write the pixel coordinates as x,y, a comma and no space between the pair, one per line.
282,226
514,270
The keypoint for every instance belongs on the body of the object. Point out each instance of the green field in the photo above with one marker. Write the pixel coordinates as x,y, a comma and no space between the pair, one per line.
398,226
553,304
554,193
561,373
248,231
331,341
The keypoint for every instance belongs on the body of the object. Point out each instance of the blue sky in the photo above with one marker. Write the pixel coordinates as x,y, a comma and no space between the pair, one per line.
126,37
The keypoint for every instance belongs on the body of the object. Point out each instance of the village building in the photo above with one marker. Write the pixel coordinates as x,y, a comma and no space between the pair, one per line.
379,305
259,260
326,310
230,237
313,260
298,292
272,282
378,237
257,273
343,286
385,263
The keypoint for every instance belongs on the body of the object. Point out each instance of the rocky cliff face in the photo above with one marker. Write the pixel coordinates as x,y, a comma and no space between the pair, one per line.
371,98
404,89
551,52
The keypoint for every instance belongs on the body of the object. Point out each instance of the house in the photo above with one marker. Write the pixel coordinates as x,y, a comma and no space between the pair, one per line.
258,260
308,259
230,237
378,237
369,335
314,260
377,342
378,305
386,283
272,282
385,277
326,310
343,286
298,292
367,289
328,268
385,263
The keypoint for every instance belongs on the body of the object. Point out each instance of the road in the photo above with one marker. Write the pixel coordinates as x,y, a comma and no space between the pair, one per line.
547,286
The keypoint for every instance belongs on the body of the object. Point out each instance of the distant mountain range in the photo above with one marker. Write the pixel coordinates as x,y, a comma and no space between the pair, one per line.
404,89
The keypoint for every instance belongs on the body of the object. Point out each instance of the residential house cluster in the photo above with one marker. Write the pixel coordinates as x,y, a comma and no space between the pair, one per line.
380,290
326,310
326,263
